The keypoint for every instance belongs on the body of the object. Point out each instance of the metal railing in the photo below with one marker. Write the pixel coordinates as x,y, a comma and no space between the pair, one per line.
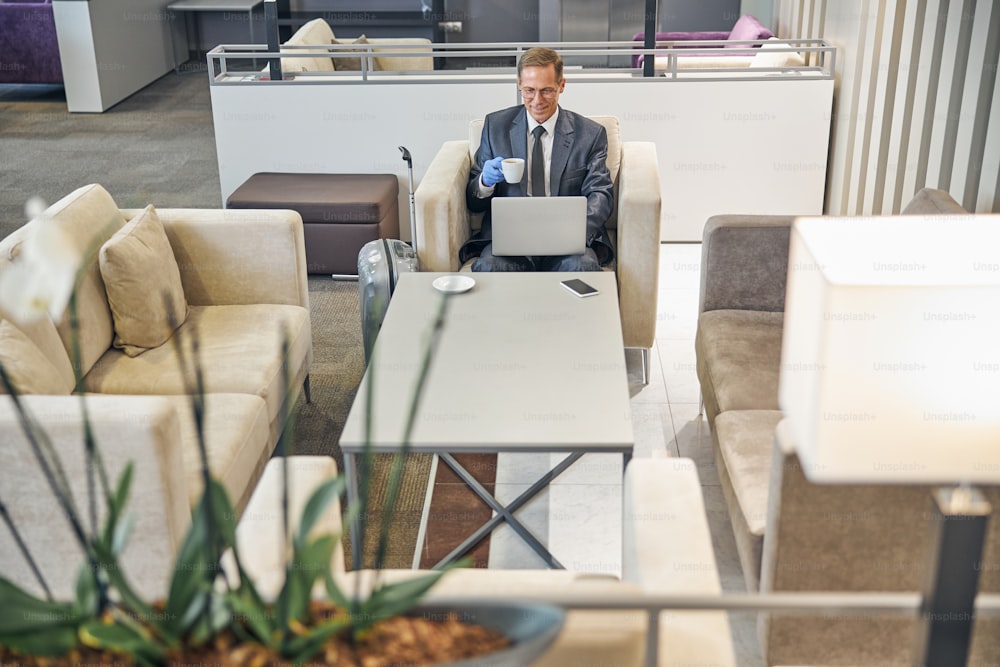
908,605
479,60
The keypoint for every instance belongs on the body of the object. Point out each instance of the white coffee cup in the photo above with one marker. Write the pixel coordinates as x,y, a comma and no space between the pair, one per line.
513,169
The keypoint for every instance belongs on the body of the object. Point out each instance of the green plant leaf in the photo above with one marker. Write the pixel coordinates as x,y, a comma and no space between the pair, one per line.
250,612
314,560
307,566
320,499
130,599
193,568
208,625
189,616
392,599
35,626
249,589
293,600
122,490
122,533
87,598
301,648
335,594
116,508
185,587
21,612
53,641
301,573
223,515
197,564
122,638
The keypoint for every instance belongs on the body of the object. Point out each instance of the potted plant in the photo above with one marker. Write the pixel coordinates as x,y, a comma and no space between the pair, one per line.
209,615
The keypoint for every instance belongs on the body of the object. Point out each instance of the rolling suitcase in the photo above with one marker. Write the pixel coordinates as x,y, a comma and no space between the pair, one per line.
379,264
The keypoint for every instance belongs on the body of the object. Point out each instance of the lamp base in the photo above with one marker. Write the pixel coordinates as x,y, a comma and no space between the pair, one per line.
959,516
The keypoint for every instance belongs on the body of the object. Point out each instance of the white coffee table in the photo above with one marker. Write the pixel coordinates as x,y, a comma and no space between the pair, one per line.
521,365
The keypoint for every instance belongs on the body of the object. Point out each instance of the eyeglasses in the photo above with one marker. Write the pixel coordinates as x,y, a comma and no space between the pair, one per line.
546,93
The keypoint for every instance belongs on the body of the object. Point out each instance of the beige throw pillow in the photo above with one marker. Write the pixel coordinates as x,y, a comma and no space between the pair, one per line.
143,284
346,64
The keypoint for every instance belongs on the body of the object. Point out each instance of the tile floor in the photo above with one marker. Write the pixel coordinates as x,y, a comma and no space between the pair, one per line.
578,517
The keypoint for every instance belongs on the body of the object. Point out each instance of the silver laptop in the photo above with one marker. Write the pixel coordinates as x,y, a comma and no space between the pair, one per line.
525,226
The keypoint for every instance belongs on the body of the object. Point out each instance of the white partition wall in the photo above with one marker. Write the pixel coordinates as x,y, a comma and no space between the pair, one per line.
110,49
724,146
748,141
343,128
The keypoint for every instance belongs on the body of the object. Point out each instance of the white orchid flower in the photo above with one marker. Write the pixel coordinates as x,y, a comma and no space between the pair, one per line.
41,278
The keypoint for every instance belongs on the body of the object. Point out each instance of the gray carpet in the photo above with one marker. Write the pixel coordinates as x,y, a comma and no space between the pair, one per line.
338,364
158,147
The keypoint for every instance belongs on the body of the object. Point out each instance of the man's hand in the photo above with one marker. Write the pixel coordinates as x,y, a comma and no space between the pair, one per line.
492,174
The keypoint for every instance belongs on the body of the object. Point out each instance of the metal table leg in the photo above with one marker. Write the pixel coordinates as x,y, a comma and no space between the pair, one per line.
353,526
505,513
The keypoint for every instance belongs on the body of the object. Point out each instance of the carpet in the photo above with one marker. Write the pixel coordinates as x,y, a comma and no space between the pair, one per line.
155,147
338,364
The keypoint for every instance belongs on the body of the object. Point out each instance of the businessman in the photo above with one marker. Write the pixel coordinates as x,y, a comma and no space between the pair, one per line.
572,151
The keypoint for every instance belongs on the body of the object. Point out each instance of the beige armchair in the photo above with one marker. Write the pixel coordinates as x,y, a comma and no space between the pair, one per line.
443,222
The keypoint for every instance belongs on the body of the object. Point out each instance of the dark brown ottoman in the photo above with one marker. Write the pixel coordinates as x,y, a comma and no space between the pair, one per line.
340,212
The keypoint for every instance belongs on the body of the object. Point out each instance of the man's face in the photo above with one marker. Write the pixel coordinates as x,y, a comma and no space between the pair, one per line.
542,81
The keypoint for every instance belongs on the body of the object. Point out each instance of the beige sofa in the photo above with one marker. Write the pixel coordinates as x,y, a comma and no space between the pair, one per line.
243,276
667,550
444,224
791,534
318,33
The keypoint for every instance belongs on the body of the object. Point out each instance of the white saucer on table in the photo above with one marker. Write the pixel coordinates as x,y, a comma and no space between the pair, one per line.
455,284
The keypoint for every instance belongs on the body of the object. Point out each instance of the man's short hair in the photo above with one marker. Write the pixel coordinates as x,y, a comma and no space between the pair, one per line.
539,56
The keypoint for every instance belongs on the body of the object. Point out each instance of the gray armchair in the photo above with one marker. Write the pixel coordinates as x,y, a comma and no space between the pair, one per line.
443,223
792,534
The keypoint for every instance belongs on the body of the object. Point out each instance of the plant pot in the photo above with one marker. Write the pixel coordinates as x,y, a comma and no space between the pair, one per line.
531,627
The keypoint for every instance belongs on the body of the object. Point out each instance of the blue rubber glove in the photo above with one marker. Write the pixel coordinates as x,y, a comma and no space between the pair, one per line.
492,174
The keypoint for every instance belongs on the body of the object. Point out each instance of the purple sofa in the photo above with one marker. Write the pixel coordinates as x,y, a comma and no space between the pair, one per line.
746,27
29,50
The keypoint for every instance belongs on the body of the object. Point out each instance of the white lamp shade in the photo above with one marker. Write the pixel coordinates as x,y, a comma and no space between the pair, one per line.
890,361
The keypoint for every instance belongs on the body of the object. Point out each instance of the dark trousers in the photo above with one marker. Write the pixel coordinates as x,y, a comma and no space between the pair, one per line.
487,261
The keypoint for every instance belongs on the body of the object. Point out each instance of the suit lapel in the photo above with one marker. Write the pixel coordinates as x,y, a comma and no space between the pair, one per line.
519,148
561,144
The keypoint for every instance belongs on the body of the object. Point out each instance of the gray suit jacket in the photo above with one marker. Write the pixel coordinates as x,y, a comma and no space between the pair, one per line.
579,167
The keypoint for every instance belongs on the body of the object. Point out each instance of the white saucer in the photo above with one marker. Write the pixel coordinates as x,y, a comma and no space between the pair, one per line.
453,284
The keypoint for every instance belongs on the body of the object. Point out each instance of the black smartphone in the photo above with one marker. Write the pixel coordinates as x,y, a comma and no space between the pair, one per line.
579,288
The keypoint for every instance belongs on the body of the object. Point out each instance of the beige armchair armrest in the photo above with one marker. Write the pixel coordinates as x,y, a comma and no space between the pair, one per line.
668,550
638,242
238,256
141,429
441,197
